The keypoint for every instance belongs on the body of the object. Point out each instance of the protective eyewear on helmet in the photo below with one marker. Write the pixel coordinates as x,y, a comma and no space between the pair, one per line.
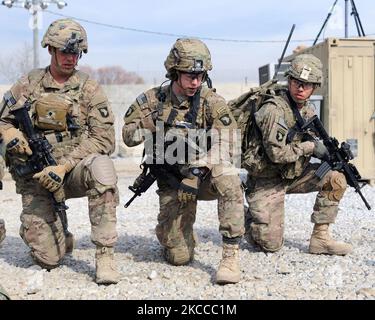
297,84
193,76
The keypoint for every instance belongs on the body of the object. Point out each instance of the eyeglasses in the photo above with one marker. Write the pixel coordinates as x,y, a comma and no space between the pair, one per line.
193,76
305,85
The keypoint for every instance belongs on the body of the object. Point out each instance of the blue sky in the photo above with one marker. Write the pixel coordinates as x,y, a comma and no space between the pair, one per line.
143,53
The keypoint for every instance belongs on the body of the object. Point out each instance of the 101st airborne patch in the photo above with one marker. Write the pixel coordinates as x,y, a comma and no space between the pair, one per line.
104,112
225,120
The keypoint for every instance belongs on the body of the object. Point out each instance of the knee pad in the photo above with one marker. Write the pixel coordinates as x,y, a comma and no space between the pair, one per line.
103,173
335,187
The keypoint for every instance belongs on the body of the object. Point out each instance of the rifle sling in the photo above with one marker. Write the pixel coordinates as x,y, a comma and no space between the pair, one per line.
299,120
191,115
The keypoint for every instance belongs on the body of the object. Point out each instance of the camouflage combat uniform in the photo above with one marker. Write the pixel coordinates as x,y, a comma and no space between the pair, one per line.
175,220
288,171
284,168
2,223
87,149
173,110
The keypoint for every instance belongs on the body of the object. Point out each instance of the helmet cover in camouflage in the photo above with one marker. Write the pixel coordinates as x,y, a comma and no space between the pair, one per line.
306,68
188,55
66,35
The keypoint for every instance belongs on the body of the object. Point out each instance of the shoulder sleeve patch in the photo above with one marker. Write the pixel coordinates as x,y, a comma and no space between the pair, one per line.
226,120
129,112
104,111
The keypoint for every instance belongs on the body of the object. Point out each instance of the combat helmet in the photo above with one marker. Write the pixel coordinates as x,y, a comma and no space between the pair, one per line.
188,55
306,68
67,36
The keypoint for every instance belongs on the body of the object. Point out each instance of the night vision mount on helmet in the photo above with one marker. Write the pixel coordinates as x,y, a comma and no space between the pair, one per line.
67,36
188,55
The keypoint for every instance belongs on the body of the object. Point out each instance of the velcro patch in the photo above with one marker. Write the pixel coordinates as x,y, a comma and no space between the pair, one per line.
141,99
10,101
282,123
305,73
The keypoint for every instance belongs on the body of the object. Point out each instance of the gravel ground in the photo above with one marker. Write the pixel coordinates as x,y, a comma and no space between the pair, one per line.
291,273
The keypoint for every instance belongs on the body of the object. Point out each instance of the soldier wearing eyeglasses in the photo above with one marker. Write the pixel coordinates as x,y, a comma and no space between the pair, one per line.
281,156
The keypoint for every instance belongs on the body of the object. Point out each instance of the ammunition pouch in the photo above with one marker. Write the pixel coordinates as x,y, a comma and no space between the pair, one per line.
51,112
255,159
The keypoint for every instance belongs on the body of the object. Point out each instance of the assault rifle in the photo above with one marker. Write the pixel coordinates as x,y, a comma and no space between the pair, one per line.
40,159
150,173
338,159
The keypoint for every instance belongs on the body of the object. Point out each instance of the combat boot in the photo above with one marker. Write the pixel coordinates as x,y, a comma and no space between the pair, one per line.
322,243
106,272
229,268
179,256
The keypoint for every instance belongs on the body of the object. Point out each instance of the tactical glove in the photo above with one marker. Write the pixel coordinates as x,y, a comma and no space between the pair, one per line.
52,177
188,190
320,151
15,142
307,148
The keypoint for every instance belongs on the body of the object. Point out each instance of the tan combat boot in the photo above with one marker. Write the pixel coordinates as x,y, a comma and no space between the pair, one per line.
322,243
106,272
229,268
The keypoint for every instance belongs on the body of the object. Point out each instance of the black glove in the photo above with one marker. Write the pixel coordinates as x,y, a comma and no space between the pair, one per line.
189,189
320,151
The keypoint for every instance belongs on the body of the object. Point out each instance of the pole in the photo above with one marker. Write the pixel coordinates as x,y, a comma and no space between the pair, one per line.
358,23
35,33
346,19
284,50
325,22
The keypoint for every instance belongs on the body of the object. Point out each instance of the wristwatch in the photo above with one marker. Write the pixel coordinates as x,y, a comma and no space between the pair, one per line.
199,172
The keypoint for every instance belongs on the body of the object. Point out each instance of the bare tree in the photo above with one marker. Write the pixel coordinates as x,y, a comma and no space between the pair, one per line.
89,70
12,67
112,75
